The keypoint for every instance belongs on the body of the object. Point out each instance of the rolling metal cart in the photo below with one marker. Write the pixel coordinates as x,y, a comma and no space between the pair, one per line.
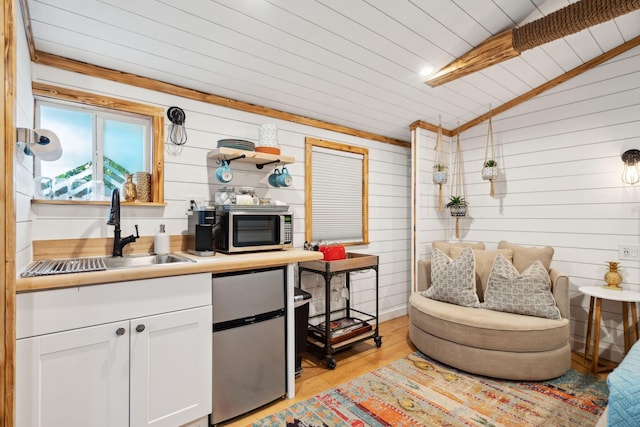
345,326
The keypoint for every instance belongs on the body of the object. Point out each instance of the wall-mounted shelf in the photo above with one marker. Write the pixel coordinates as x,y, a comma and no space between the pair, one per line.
257,158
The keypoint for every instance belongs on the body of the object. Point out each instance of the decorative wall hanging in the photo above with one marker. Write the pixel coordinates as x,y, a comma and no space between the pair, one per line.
457,203
490,165
440,173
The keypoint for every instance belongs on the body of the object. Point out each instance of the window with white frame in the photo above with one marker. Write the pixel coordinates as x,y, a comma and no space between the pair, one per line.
98,144
336,192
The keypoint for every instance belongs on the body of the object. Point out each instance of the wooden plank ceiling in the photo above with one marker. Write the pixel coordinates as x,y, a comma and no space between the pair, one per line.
355,63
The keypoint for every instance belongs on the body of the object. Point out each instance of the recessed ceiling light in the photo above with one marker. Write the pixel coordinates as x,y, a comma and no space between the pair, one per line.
427,70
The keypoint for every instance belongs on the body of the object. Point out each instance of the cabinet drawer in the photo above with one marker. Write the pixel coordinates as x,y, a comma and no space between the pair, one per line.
55,310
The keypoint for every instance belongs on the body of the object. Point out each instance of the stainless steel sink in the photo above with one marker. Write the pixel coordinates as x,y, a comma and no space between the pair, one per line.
132,261
80,265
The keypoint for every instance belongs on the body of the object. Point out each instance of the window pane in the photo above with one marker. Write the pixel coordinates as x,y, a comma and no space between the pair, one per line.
336,204
74,128
123,151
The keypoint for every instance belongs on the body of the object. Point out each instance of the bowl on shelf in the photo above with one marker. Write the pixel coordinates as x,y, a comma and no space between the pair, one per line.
269,150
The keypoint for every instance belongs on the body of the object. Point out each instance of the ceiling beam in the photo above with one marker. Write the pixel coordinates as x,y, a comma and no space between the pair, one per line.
511,43
634,42
492,51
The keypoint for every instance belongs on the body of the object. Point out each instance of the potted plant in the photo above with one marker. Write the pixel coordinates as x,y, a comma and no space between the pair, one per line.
440,173
457,206
490,170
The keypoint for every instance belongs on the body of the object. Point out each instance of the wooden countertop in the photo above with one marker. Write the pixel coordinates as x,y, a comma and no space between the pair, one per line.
219,263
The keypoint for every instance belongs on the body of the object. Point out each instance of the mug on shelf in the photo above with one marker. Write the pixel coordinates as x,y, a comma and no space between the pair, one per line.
284,179
273,178
224,172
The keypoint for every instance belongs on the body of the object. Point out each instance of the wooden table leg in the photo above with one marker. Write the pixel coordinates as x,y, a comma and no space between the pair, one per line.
625,325
587,341
596,336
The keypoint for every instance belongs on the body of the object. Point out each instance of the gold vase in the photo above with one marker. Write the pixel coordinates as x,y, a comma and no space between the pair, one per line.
612,277
129,189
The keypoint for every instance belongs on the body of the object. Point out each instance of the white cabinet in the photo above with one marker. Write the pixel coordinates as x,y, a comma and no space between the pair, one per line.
74,378
124,354
171,368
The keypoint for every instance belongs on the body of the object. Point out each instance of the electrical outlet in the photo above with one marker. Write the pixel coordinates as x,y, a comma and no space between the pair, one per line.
187,204
629,251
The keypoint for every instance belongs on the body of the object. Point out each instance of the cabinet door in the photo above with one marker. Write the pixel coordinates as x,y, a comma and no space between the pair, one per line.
171,368
77,378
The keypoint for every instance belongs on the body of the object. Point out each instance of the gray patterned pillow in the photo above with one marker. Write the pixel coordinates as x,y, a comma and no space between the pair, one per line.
453,281
526,293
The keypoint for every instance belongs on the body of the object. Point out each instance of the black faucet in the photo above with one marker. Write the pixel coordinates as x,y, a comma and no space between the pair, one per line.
114,219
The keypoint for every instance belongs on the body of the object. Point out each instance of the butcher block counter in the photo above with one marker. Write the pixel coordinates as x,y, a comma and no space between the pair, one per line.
219,263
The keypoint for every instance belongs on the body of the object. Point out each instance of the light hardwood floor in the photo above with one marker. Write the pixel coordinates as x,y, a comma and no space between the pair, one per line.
357,360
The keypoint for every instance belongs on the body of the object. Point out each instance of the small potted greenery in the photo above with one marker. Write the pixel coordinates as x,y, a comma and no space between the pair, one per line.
440,173
457,206
490,170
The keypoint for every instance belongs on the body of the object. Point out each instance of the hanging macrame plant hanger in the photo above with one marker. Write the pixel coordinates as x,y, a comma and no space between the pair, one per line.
458,203
439,167
490,165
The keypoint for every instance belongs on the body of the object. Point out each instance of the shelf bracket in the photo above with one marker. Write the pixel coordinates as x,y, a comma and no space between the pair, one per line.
261,165
241,156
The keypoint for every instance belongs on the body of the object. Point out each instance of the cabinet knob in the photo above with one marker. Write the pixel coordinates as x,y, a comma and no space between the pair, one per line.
120,331
140,328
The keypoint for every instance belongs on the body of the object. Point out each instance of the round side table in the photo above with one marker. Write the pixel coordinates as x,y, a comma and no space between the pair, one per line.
597,294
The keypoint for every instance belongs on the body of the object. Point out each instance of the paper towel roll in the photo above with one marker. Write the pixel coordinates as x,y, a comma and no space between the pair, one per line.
46,145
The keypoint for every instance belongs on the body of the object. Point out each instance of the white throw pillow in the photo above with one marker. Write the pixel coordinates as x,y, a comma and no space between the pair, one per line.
453,281
526,293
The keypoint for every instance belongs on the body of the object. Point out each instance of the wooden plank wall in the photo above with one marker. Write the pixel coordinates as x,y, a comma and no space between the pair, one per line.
190,175
559,184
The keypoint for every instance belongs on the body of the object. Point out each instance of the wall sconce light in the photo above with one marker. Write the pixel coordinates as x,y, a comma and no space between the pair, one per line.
630,173
41,143
178,132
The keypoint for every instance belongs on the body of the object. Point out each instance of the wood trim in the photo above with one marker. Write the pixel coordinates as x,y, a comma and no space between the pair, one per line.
103,246
8,224
308,192
96,100
414,208
157,172
428,126
552,83
158,86
365,197
26,19
309,144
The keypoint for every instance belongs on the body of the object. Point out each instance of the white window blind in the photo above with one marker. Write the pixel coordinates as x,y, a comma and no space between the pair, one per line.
338,194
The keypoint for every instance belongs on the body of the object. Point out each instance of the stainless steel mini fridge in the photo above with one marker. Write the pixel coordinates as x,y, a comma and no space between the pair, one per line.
249,340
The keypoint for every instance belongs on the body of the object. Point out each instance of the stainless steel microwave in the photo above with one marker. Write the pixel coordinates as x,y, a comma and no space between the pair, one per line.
250,228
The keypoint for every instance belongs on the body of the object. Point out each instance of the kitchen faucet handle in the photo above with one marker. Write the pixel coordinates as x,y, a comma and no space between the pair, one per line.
137,235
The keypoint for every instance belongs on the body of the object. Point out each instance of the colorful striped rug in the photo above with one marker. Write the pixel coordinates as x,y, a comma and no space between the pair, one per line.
417,391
